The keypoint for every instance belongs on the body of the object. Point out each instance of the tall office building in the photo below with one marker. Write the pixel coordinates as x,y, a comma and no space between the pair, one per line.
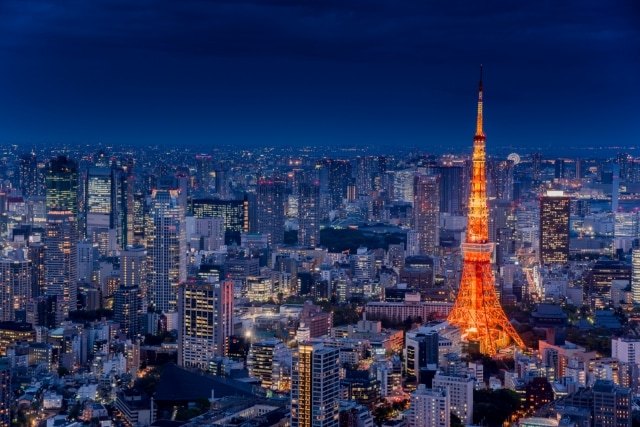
133,269
139,217
635,275
125,205
61,183
28,175
337,176
206,321
429,408
451,189
166,249
127,310
554,228
100,209
61,259
6,392
235,215
536,166
204,169
426,212
15,285
315,386
500,179
309,215
36,254
366,171
270,209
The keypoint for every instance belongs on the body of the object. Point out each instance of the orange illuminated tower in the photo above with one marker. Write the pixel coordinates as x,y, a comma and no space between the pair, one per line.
477,311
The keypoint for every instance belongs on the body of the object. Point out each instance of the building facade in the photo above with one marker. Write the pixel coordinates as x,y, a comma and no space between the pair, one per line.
166,250
554,228
315,386
205,321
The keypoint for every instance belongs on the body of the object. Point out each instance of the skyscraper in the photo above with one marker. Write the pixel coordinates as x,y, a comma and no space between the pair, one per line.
451,189
133,269
635,275
166,249
426,212
206,321
100,209
309,215
15,285
125,205
127,310
477,311
36,252
554,228
61,259
338,178
270,212
28,175
500,180
61,183
315,386
235,215
204,168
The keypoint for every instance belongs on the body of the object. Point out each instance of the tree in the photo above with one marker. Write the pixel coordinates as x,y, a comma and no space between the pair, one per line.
493,407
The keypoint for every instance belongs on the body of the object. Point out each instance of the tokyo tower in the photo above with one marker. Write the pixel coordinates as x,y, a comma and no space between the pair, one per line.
477,311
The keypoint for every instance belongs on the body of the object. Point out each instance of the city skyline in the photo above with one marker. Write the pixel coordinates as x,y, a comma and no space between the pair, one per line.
258,73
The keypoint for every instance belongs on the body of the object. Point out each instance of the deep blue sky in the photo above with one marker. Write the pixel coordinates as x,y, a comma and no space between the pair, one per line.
337,72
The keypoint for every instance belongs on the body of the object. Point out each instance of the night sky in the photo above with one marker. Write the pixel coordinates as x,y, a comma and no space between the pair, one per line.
310,72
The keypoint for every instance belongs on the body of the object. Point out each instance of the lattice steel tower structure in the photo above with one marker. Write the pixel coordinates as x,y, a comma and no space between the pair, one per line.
477,311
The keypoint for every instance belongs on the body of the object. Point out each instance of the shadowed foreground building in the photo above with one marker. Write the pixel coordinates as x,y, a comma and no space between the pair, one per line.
6,397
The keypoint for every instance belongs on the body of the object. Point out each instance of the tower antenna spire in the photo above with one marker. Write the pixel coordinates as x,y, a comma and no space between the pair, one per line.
479,131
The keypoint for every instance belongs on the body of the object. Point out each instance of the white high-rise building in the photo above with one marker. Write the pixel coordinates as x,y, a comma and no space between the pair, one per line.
315,386
635,275
166,249
429,408
460,391
626,350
